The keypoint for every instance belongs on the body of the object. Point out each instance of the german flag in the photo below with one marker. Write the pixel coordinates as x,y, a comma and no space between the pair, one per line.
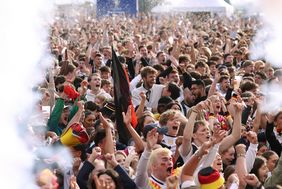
74,134
122,98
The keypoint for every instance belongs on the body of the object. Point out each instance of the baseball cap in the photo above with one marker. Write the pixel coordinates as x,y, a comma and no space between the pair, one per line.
149,127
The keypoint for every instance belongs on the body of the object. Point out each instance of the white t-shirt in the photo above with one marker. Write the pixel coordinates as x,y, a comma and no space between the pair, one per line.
155,95
91,97
170,141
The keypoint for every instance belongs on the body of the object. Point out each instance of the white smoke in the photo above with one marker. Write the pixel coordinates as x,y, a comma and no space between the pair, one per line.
267,44
24,56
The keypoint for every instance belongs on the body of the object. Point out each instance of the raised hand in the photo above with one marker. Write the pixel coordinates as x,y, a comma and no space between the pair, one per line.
209,104
73,183
110,158
179,141
218,135
80,105
252,180
180,117
239,106
172,182
230,107
96,152
216,76
104,122
240,149
127,117
152,139
200,106
76,163
252,137
143,96
204,149
84,84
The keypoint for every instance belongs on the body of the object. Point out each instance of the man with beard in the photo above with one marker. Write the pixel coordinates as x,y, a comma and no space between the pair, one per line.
144,58
161,58
198,91
153,91
188,100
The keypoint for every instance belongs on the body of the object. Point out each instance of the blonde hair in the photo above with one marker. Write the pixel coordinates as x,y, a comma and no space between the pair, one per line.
155,154
169,114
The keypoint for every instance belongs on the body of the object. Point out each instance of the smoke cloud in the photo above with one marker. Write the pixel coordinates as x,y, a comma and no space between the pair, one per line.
267,44
24,58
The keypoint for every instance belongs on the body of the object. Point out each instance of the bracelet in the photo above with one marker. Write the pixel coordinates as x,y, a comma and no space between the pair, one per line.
241,155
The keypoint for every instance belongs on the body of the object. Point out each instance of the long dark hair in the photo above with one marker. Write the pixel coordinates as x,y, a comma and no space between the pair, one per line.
113,174
140,124
259,161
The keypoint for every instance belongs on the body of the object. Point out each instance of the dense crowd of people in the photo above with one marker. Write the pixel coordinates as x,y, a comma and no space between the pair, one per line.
195,92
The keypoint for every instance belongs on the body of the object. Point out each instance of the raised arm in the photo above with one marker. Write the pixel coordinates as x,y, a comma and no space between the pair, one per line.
241,166
141,106
125,179
271,138
141,173
135,136
192,52
109,143
51,88
213,85
55,115
77,116
191,165
218,136
87,168
188,130
257,120
252,150
235,109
